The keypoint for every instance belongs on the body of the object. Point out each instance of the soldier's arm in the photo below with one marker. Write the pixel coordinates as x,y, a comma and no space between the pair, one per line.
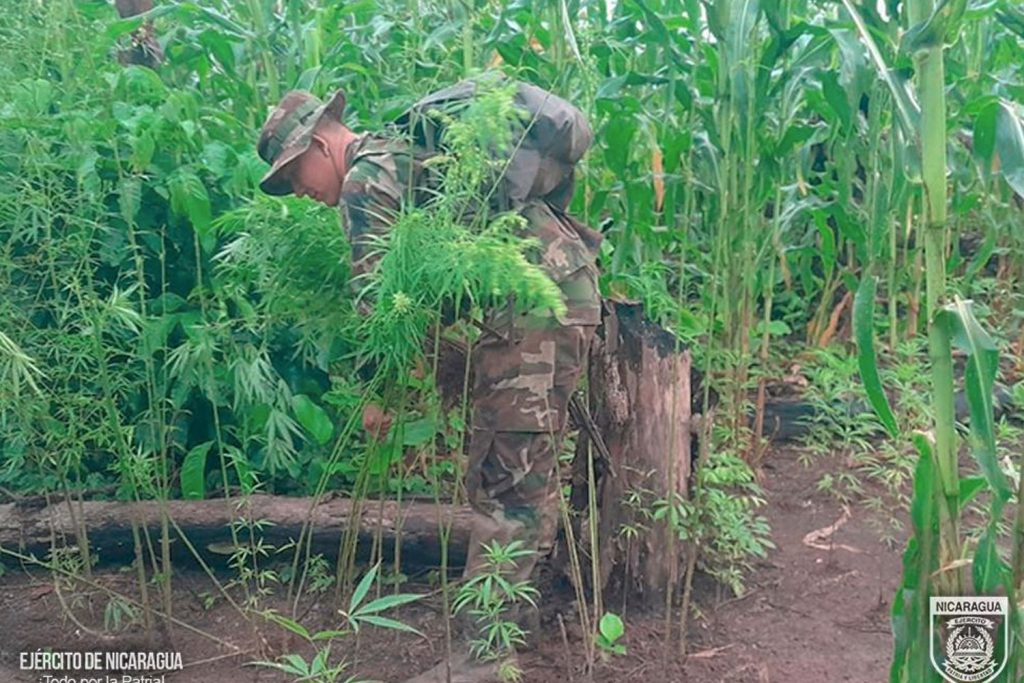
370,205
369,210
367,213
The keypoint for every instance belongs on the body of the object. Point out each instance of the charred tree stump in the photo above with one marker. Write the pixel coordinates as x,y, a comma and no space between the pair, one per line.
640,401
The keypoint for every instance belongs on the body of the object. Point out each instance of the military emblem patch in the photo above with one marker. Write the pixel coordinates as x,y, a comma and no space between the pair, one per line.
969,638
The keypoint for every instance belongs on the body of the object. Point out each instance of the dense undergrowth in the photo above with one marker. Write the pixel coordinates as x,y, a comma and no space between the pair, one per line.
757,169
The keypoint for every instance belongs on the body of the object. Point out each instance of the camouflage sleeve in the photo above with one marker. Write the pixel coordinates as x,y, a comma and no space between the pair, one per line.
369,208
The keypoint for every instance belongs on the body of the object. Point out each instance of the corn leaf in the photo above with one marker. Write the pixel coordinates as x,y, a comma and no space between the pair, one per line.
967,334
863,331
1010,144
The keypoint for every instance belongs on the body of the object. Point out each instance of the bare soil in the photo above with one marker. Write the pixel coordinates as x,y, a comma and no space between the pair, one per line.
810,615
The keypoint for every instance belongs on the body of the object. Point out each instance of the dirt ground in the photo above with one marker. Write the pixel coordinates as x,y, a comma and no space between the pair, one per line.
810,615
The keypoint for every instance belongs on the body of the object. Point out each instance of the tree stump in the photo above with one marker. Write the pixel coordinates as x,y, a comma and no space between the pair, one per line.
640,400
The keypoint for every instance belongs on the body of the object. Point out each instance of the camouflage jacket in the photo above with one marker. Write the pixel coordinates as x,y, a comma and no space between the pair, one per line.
384,175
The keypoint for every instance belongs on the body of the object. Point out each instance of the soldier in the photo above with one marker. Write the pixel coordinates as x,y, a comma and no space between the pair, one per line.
528,366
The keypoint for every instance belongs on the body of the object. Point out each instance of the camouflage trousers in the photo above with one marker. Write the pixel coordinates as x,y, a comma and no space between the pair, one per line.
523,383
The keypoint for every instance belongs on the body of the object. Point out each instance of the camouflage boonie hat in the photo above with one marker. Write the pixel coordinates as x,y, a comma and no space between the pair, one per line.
288,131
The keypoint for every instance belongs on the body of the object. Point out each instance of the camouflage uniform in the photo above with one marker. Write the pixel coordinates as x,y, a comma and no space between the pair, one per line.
524,378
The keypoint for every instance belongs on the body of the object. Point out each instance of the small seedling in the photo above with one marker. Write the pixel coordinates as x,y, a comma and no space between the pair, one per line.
610,631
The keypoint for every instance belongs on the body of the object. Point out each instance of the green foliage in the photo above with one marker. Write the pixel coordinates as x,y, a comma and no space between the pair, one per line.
119,615
313,418
165,329
317,670
431,258
863,320
609,630
360,613
719,519
490,598
935,551
193,471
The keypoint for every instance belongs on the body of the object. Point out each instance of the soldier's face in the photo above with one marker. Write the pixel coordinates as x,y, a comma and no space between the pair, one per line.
313,174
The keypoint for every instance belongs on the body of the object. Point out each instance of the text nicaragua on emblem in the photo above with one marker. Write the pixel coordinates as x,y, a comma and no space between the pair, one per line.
969,637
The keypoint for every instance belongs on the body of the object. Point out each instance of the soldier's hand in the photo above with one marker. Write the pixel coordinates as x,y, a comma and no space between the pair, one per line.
376,421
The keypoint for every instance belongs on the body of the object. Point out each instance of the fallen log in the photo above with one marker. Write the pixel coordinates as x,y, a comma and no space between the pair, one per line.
206,524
